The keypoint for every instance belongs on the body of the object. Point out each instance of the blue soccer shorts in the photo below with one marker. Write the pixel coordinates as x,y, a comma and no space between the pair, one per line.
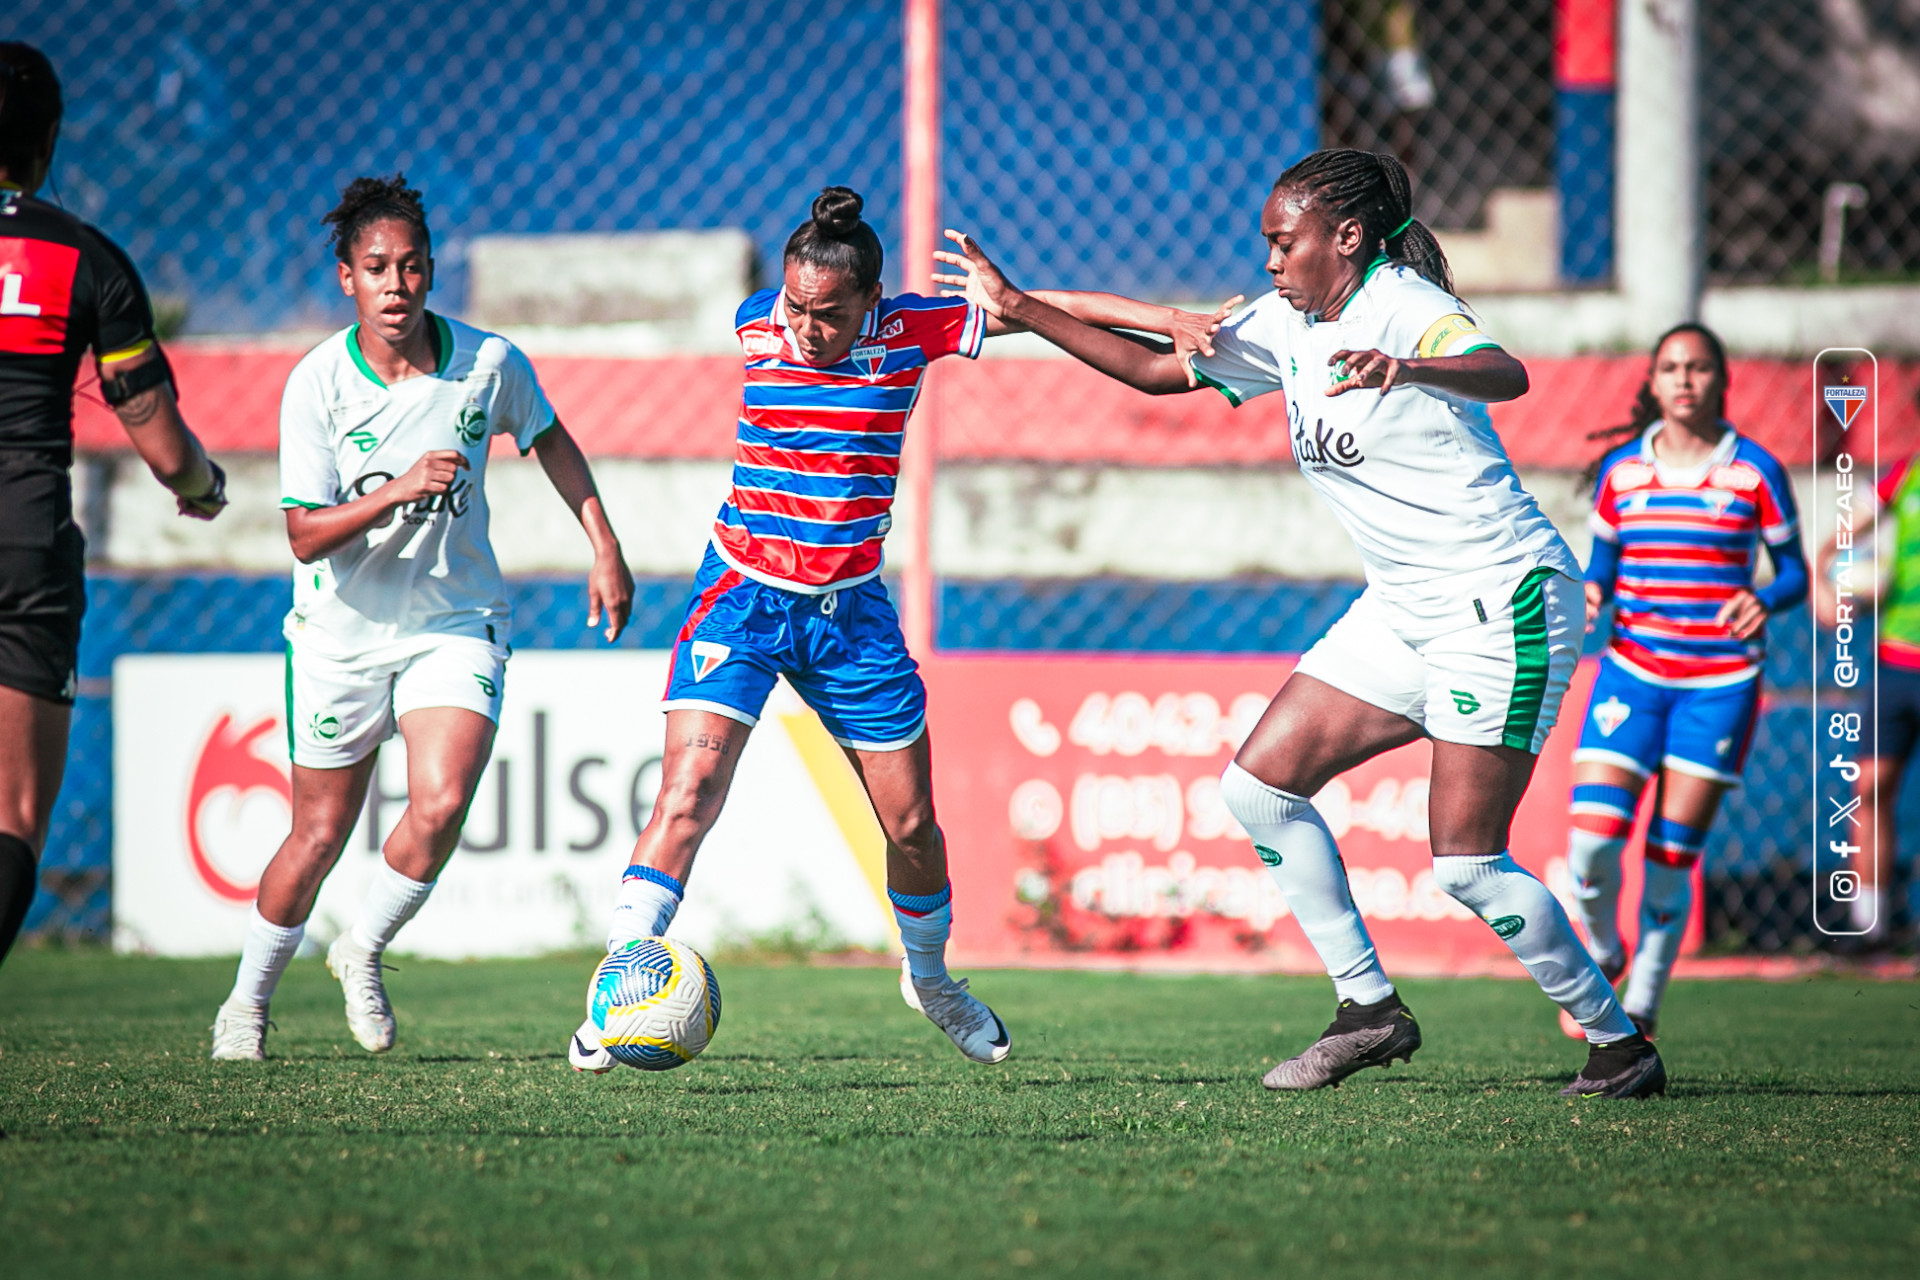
1641,726
842,651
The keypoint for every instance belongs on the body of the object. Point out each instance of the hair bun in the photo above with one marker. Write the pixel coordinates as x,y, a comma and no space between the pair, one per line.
836,211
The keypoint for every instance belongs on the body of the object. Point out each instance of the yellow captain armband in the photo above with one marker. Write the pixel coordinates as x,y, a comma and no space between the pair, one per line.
139,348
1453,335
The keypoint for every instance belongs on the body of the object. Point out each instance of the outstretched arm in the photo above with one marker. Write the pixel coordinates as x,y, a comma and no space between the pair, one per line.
164,441
1156,372
1489,375
609,582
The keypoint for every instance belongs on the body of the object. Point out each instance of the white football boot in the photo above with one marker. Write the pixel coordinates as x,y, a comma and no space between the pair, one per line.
240,1032
976,1031
369,1015
585,1052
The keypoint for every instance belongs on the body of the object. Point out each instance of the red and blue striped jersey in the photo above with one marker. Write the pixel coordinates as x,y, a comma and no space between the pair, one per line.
1687,542
817,452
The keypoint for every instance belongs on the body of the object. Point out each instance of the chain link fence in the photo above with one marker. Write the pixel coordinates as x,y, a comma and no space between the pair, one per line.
1124,146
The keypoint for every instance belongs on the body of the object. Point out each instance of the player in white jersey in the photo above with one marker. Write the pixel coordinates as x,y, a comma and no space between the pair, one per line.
400,619
1471,622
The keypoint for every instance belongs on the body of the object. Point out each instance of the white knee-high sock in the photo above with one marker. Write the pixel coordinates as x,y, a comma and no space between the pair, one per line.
926,922
1293,841
1529,920
264,957
645,907
1594,861
392,900
1666,901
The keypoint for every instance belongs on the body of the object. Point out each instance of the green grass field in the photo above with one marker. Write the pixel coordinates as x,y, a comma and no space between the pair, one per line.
830,1132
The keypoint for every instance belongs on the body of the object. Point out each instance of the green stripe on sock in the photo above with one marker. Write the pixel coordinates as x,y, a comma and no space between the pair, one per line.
1529,660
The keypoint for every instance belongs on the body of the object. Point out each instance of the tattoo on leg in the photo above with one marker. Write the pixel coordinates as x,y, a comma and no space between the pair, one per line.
708,742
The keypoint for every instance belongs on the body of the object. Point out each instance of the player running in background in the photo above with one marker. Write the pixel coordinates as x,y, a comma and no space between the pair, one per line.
399,614
1890,710
64,289
1679,512
790,586
1468,630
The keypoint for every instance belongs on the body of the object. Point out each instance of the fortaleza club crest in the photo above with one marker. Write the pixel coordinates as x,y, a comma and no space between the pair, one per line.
868,359
1610,715
1845,402
706,656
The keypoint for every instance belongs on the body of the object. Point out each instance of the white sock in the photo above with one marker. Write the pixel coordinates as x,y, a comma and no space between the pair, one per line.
1293,841
264,957
392,900
1868,912
926,921
645,906
1666,901
1594,862
1530,921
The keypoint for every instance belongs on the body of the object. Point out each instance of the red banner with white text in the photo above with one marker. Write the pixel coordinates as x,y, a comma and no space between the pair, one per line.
1081,802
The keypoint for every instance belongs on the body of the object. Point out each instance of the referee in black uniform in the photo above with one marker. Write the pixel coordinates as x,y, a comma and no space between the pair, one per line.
64,288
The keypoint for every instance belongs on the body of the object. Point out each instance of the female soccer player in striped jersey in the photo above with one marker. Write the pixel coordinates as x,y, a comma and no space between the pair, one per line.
1679,511
399,616
790,586
1469,628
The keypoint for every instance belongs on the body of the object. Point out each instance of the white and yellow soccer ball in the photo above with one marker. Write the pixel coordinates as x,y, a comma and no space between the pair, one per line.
656,1004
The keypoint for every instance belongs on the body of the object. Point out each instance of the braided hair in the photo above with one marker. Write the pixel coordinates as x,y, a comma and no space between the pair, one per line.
836,239
30,106
370,200
1646,406
1373,188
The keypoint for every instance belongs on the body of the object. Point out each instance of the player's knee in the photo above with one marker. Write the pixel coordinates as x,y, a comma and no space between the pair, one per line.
1667,893
1255,804
688,801
1466,877
914,828
438,809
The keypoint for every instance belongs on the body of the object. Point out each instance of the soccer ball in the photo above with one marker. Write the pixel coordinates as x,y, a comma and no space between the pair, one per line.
656,1004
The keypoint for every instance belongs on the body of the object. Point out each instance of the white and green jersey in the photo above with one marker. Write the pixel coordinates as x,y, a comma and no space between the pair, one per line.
343,433
1417,476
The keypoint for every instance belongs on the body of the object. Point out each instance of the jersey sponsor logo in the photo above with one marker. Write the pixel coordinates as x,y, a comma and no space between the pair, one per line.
472,424
36,295
1463,702
1325,448
1631,475
895,328
868,359
706,656
1610,715
1738,476
760,343
456,500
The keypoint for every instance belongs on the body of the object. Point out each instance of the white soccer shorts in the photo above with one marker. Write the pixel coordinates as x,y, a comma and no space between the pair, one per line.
338,712
1492,683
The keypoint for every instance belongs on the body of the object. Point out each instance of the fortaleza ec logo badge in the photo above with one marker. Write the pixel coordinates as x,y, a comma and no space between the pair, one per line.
869,359
1845,402
227,763
706,656
1610,715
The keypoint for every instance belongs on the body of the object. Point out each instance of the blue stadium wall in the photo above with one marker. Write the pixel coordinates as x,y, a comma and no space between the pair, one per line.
1757,852
208,139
